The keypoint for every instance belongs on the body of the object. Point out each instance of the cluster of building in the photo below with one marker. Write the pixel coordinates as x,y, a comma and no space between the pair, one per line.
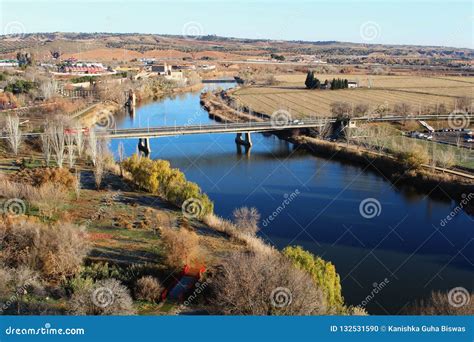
72,66
8,63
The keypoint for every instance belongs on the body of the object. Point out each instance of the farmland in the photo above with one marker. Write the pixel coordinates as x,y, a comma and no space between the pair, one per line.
423,94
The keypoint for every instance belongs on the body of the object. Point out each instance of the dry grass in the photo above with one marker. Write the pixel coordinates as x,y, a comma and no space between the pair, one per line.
423,94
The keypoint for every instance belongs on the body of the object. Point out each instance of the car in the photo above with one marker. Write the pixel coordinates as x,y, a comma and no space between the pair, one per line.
296,121
429,137
469,140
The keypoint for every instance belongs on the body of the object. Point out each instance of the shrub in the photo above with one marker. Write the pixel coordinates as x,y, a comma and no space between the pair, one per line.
105,297
55,251
323,273
158,177
438,304
259,284
48,198
181,245
414,158
148,288
246,219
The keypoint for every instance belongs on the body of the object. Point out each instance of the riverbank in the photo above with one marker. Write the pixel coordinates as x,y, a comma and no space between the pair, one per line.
435,181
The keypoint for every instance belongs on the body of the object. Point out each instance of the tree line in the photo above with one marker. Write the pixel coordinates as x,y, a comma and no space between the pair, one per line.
312,82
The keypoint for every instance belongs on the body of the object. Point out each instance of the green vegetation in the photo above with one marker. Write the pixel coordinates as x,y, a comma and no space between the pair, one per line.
20,87
158,177
83,79
277,57
312,82
339,83
323,273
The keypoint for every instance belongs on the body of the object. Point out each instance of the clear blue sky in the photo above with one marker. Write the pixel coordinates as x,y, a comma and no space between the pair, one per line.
435,22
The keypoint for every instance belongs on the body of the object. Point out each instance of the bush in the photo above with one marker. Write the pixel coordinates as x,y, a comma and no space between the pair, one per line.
181,246
260,284
158,177
148,288
246,219
55,251
414,158
105,297
438,304
323,273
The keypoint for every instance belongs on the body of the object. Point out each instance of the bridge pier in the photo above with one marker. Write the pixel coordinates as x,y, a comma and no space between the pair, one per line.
131,102
144,146
247,141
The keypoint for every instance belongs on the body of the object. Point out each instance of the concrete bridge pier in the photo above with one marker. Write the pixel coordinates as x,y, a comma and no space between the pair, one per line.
246,149
131,102
144,146
246,141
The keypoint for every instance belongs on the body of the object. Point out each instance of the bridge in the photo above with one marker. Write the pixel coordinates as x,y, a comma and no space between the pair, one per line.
243,130
253,127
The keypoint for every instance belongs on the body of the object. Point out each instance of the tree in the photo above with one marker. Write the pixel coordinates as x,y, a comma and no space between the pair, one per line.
260,284
70,149
14,133
46,148
56,136
309,79
311,82
121,155
402,108
100,161
322,272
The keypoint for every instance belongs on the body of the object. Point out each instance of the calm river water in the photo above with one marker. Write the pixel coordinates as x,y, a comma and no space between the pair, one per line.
403,249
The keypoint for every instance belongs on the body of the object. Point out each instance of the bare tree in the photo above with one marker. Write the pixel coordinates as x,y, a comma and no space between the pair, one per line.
341,109
14,133
246,219
92,146
70,149
79,140
56,136
121,155
99,165
402,109
48,88
46,147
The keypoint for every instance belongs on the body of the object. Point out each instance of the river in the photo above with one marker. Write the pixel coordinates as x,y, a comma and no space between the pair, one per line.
400,254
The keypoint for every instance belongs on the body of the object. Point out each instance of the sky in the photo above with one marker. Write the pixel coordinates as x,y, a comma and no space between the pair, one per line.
422,22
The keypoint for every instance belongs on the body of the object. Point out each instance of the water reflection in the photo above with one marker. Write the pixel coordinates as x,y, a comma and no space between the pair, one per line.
405,243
